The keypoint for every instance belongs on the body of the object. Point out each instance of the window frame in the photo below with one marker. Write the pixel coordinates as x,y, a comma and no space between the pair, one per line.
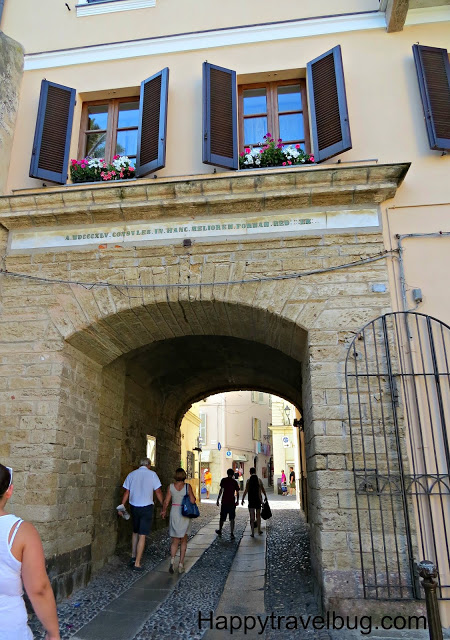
112,128
272,109
202,427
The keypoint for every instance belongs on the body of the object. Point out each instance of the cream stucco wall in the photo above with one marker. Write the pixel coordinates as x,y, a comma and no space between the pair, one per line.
385,111
30,27
189,438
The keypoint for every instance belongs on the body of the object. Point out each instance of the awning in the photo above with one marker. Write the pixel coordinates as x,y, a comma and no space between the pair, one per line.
240,458
205,456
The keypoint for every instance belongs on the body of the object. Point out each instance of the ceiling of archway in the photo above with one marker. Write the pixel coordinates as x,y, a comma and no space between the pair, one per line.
188,368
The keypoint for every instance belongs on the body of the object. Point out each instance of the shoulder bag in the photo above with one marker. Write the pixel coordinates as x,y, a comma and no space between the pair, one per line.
189,510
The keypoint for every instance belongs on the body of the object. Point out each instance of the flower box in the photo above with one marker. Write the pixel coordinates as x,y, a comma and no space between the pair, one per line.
97,170
269,154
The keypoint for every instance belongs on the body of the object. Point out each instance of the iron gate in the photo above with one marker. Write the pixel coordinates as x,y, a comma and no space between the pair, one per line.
398,394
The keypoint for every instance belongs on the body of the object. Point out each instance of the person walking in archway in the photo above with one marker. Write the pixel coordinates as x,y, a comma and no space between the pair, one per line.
140,485
22,559
255,490
283,483
291,481
179,526
229,492
208,482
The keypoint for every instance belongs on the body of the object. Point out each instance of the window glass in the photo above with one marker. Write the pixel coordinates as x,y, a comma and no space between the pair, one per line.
254,130
127,143
98,117
151,450
291,127
95,145
289,98
128,114
255,101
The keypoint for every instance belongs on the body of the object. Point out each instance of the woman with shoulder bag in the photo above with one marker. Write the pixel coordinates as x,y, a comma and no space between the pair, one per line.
179,525
22,560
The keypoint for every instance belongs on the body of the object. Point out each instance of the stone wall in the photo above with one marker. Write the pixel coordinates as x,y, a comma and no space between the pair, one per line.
78,414
11,69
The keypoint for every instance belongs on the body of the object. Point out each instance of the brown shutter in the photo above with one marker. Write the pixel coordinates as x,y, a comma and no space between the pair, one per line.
220,146
151,150
433,73
330,129
50,156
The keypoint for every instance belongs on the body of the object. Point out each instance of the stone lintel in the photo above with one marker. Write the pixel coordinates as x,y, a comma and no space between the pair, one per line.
396,11
253,191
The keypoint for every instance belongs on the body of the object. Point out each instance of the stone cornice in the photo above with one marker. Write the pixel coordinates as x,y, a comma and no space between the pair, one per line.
254,191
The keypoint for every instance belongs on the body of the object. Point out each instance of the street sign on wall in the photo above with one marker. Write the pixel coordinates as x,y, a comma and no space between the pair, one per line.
286,442
229,454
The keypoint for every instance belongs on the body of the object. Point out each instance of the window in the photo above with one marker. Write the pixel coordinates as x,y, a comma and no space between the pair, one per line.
109,127
202,432
151,450
256,429
278,108
93,7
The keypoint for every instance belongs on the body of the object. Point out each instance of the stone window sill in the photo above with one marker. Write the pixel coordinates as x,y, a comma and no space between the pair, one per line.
84,8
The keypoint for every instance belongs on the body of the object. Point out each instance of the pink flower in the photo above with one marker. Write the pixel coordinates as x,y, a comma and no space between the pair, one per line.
311,158
289,162
269,135
247,150
279,146
242,154
297,146
262,150
73,162
78,161
121,174
284,164
116,157
130,168
280,140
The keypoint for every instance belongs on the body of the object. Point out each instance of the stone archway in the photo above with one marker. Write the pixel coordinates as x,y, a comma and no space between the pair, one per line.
72,348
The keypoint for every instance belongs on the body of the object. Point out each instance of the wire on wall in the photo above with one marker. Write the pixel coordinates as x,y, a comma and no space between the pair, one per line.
178,285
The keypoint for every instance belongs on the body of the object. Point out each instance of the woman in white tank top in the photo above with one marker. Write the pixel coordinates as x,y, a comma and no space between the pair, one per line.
22,559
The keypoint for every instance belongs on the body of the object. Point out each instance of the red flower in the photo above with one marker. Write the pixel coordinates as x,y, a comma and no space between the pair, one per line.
73,162
311,158
247,150
284,164
116,157
242,154
297,146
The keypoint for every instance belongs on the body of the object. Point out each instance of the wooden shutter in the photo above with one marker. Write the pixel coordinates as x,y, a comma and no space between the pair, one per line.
151,148
330,129
220,145
50,156
433,73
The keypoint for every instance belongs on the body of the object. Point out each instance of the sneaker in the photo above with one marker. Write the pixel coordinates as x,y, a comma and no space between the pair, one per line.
180,568
131,562
219,532
252,535
135,568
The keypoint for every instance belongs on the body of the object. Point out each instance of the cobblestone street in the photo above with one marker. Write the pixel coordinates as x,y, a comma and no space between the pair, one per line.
267,575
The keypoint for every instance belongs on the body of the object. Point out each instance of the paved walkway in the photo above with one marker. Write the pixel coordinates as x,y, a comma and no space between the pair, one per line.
124,617
225,582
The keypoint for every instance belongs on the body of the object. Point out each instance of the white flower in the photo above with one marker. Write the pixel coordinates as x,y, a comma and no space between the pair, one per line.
258,161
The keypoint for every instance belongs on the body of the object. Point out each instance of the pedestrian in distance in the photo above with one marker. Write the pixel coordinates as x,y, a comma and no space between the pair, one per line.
208,482
22,560
292,482
283,483
179,526
255,490
229,492
140,485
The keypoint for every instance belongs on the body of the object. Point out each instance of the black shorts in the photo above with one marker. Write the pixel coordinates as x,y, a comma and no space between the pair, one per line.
142,519
228,510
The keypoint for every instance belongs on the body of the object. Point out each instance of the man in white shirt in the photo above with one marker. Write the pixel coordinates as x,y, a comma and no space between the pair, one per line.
139,487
